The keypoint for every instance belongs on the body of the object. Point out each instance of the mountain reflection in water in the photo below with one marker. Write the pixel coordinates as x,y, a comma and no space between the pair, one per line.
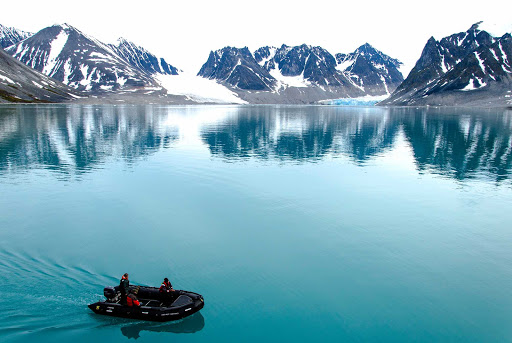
458,143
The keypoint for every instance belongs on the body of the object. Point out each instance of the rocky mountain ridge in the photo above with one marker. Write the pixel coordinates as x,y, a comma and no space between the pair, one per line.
142,59
11,35
84,63
465,68
302,74
371,70
237,68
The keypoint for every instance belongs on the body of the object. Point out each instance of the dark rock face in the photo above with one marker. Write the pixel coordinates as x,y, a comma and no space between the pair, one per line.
82,62
238,68
10,36
142,59
371,70
486,65
19,83
315,64
302,74
366,71
456,66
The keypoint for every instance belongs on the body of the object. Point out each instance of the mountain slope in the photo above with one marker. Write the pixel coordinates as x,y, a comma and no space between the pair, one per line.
238,68
19,83
443,63
302,74
11,35
371,70
82,62
303,66
485,66
142,59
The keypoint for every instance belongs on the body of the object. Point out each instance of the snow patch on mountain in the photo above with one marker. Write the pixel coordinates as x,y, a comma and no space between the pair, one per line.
289,81
197,88
5,78
56,47
344,65
473,84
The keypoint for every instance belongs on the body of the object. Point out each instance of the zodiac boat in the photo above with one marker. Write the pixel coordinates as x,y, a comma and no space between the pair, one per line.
151,307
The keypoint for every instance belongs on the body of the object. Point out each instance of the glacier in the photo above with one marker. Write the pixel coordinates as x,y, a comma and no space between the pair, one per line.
360,101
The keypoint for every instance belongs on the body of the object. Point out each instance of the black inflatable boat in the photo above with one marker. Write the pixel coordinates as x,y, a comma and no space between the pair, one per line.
151,307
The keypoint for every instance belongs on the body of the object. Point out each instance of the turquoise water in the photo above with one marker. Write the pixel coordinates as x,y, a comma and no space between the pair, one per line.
297,224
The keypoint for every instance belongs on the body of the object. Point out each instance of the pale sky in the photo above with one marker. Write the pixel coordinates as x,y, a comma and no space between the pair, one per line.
185,32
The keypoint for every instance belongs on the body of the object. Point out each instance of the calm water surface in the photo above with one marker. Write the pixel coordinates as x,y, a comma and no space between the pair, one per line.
297,224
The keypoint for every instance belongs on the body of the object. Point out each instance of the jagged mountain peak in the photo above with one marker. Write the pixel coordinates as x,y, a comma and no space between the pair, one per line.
66,54
475,26
122,40
142,59
457,65
10,36
237,67
366,48
370,69
438,57
311,63
485,66
127,45
233,51
431,41
10,29
317,67
66,27
265,53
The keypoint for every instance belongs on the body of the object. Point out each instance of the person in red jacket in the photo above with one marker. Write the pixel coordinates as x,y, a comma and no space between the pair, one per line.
166,291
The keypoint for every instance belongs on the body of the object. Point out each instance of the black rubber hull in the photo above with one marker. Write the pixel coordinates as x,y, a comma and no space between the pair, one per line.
159,314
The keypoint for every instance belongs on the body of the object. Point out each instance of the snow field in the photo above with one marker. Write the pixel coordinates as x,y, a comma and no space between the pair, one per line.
197,88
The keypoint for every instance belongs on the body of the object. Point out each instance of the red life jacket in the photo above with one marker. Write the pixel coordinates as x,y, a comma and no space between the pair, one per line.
165,287
132,302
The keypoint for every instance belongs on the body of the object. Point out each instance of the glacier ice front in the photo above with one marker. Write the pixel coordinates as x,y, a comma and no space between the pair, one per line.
361,101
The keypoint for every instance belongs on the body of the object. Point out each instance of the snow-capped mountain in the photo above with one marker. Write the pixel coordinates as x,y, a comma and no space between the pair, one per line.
452,69
302,74
238,68
11,35
487,65
19,83
301,66
82,62
369,69
142,59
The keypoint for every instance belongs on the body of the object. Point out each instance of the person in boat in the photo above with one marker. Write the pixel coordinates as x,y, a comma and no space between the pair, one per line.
131,300
124,285
166,291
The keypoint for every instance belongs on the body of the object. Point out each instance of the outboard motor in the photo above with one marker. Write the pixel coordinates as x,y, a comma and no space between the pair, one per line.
110,293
